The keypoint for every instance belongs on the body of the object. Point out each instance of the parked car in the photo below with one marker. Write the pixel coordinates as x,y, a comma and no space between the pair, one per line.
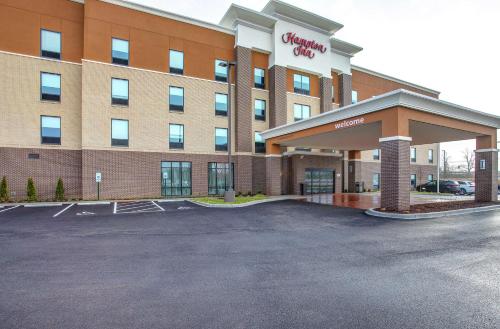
466,187
445,186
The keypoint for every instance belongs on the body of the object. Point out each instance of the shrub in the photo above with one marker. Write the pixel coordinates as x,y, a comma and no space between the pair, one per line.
31,190
60,190
4,190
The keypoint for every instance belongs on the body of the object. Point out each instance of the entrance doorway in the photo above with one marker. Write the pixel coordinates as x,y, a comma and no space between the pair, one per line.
319,180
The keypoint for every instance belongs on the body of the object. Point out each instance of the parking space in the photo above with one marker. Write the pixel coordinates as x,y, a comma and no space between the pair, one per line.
133,207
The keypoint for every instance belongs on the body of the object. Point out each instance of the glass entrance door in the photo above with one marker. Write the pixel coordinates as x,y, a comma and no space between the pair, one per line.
175,178
318,180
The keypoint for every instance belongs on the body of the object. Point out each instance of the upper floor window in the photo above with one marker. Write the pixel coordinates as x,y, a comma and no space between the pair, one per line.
176,99
176,62
413,180
260,78
50,87
260,109
50,130
301,84
50,44
260,145
376,154
220,104
301,112
119,91
354,96
119,132
431,156
221,70
119,52
176,136
413,154
221,139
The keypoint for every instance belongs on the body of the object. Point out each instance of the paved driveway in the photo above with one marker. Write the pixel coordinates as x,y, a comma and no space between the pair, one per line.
278,265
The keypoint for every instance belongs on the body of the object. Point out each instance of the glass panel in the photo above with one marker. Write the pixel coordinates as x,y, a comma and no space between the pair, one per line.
220,71
119,132
176,99
259,76
354,96
306,111
260,109
51,130
120,51
297,112
220,104
176,136
51,44
260,145
119,91
297,82
176,62
51,86
220,139
305,84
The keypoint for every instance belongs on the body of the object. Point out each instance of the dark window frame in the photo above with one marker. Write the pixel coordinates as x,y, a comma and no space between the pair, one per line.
260,147
120,101
60,44
175,145
175,108
301,90
41,130
256,84
119,59
260,117
164,188
302,112
60,87
220,78
128,133
220,112
210,187
413,159
175,70
221,148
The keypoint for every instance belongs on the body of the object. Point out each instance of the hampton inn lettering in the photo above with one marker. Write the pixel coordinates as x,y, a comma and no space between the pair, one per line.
303,47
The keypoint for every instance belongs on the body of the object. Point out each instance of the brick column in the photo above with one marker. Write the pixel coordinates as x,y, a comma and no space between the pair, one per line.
325,88
243,173
273,174
486,175
277,96
395,173
353,170
345,89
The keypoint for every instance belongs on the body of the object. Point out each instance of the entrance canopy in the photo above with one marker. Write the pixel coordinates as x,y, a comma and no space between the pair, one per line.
424,119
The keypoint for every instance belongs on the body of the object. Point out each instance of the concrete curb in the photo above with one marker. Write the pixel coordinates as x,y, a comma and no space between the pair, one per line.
41,205
375,213
241,205
93,203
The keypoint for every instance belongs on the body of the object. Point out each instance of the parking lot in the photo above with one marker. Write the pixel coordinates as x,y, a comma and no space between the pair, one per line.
286,264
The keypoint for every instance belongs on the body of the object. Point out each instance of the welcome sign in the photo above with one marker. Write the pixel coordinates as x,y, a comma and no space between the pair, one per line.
303,47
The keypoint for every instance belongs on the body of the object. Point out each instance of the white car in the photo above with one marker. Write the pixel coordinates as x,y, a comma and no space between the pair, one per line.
467,188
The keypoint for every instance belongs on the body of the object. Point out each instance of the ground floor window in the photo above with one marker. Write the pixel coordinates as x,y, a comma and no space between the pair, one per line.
376,182
176,178
218,178
413,180
430,178
319,181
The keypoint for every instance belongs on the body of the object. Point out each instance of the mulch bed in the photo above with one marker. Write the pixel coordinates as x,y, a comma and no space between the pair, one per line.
442,206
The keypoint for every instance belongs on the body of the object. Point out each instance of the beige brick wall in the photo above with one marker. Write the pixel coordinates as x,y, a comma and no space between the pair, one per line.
148,110
21,107
313,102
422,159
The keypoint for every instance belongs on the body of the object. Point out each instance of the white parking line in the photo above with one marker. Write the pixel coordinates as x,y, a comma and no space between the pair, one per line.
9,209
158,206
71,205
114,209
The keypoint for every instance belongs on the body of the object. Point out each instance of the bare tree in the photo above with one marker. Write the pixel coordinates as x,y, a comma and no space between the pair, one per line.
446,163
469,159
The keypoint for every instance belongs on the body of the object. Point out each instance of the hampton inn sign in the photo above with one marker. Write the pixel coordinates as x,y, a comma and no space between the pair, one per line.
303,47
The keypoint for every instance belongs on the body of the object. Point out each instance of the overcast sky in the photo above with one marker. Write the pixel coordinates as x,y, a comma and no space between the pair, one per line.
449,45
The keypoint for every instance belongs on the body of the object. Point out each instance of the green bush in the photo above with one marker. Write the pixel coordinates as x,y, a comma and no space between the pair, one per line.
60,190
31,191
4,190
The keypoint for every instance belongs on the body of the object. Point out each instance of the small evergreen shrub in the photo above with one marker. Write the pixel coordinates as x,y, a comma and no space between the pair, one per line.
60,190
4,190
31,191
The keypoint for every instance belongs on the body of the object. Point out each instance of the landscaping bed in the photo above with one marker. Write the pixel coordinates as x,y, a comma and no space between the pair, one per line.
442,206
238,199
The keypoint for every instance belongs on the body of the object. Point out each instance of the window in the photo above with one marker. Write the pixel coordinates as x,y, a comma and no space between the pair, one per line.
376,154
260,145
119,91
413,154
431,156
50,89
220,104
119,52
354,96
176,136
259,78
50,44
176,178
302,149
301,112
413,180
301,84
260,109
220,71
333,94
176,99
119,132
51,130
221,139
176,62
218,178
430,178
482,164
376,182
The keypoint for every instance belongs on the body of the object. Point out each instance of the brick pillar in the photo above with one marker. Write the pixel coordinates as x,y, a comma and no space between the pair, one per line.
345,89
273,174
486,175
325,94
353,170
395,173
243,173
277,96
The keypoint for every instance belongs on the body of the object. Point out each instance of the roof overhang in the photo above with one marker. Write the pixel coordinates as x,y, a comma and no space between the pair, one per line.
236,13
276,7
344,48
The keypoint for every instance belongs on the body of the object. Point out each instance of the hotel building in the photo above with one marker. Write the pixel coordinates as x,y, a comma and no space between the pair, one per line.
139,97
